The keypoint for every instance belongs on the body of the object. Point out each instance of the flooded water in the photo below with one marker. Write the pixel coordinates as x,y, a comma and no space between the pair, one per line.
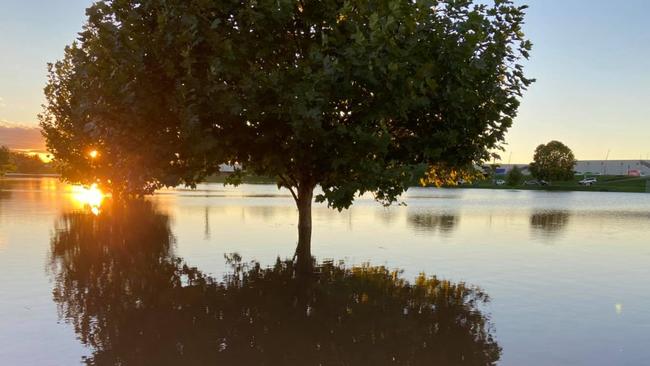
198,277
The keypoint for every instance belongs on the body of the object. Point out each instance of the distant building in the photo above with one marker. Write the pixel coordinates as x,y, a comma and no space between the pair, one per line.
225,168
505,168
596,167
613,167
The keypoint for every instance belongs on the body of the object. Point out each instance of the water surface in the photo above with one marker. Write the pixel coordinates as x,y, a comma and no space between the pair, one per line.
546,278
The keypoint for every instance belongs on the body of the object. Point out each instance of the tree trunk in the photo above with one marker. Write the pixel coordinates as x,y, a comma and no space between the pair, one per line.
303,251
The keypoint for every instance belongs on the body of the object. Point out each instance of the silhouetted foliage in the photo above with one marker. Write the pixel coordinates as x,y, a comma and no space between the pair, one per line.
553,161
354,96
19,162
134,302
30,164
5,159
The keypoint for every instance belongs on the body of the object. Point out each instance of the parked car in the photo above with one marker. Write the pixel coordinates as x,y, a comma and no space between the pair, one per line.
588,181
499,182
536,182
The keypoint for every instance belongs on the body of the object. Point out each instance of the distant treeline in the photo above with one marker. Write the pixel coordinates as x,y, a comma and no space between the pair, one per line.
18,162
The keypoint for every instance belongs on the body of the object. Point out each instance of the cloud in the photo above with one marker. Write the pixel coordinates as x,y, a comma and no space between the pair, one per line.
2,103
16,136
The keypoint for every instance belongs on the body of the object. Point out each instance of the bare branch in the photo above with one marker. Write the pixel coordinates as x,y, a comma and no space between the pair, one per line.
288,185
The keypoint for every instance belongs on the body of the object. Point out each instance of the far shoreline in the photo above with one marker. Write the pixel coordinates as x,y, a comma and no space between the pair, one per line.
619,184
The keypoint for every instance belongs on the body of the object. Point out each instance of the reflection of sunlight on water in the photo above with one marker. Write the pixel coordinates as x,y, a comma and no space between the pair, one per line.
90,197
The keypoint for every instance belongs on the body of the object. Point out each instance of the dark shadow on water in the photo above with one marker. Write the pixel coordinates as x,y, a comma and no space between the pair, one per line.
549,223
131,300
4,189
429,222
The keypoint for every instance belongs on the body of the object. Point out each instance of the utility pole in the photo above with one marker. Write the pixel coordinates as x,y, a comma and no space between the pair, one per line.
606,158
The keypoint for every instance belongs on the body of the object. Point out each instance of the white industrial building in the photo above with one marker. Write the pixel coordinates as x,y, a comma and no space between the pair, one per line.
596,167
613,167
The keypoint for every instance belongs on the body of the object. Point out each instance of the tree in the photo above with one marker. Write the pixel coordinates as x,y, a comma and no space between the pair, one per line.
353,97
5,160
13,161
514,177
29,164
553,161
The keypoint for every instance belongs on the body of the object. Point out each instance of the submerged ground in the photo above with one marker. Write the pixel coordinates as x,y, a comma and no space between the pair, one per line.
553,277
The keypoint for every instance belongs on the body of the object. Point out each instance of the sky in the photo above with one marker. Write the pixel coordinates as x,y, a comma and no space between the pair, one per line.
591,59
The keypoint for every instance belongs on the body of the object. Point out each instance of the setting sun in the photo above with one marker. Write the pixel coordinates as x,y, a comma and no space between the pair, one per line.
93,154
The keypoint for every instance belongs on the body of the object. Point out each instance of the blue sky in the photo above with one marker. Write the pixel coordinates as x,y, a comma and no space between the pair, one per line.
32,33
591,59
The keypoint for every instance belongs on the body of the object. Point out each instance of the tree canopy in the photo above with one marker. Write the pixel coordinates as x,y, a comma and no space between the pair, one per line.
351,96
514,177
5,159
553,161
20,162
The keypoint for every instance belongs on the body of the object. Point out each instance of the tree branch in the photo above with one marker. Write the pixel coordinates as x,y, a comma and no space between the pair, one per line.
289,187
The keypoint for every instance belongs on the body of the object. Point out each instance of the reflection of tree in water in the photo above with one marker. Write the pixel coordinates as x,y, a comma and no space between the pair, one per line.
386,215
268,212
4,190
549,222
130,299
432,222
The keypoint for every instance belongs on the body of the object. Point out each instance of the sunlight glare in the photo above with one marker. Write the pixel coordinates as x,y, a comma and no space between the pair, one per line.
89,197
93,154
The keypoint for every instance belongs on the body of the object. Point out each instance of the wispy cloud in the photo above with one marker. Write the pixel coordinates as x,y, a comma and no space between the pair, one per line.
17,136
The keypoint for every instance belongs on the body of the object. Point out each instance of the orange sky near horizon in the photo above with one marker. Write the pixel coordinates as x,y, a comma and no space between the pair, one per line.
17,137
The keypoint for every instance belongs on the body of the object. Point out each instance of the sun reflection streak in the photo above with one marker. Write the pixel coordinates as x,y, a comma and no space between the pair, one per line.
91,197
